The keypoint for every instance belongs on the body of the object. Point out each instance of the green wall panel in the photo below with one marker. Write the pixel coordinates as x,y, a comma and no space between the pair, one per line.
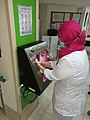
22,40
30,97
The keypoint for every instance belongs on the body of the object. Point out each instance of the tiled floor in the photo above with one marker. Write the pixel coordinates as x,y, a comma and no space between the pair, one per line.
44,109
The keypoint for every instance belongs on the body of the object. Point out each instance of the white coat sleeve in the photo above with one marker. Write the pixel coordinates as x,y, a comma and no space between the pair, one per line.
53,63
63,70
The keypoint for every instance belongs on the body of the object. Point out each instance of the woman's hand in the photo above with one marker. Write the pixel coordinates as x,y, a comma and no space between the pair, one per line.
46,64
43,65
42,68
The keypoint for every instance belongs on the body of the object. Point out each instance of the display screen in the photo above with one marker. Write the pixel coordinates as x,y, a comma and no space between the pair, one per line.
42,56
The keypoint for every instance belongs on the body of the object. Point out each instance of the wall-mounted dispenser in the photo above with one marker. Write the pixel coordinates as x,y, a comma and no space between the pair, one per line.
30,75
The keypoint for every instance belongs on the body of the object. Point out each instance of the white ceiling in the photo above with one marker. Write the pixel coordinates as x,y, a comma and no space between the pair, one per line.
68,2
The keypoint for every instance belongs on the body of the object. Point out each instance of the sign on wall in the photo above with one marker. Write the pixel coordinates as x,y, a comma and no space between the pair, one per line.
25,20
57,18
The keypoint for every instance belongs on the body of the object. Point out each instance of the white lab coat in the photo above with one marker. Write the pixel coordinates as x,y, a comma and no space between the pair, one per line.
70,75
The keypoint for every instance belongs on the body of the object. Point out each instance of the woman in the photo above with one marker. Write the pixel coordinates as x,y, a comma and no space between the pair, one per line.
70,72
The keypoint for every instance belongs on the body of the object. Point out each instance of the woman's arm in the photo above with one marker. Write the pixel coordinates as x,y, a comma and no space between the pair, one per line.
46,64
63,70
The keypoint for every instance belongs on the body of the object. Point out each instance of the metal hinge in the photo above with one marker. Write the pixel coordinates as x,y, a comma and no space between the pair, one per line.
2,78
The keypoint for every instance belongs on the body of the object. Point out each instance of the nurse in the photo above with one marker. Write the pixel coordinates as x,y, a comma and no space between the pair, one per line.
69,72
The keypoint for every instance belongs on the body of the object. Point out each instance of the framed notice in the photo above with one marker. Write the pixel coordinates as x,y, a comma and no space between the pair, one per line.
67,16
57,16
25,20
76,17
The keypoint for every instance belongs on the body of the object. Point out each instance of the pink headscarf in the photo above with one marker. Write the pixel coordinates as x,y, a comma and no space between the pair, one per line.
72,36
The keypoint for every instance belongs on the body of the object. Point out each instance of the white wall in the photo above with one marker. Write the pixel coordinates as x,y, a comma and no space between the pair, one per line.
43,19
37,20
6,64
68,2
45,14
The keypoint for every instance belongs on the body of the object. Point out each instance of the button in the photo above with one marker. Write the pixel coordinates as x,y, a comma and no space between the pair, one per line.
32,50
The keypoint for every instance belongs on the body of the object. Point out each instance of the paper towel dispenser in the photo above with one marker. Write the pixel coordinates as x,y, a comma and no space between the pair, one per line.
30,75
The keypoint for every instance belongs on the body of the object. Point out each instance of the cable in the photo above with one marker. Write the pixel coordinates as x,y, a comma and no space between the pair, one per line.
19,89
22,91
26,93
